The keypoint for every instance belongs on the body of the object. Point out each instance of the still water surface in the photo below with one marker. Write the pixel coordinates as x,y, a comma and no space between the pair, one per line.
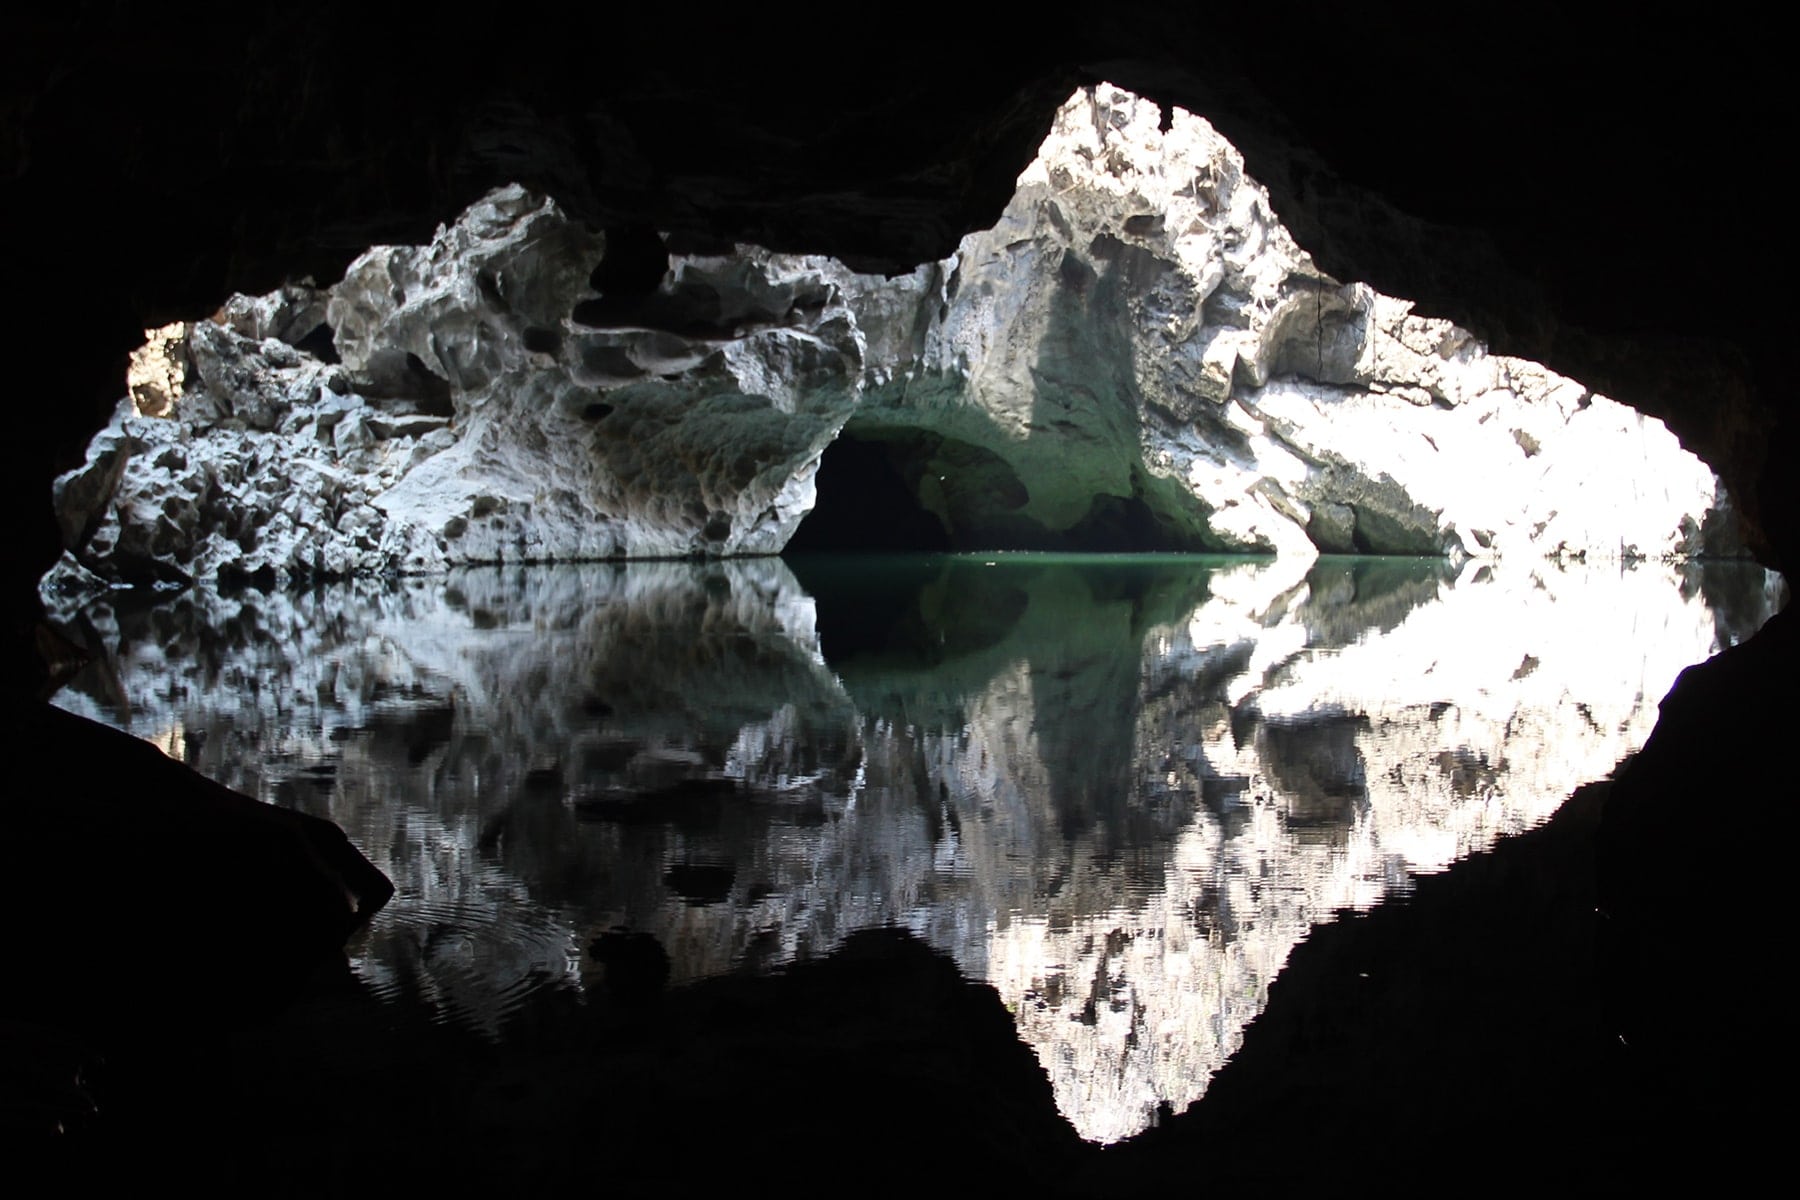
1119,789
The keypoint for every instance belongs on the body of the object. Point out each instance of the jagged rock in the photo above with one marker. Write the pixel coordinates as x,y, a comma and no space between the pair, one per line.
1138,325
157,371
1137,354
292,314
1332,527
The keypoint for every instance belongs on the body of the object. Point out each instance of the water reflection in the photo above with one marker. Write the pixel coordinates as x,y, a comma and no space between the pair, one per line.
1120,790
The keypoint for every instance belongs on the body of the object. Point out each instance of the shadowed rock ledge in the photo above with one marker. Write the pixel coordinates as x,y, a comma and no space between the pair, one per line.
165,855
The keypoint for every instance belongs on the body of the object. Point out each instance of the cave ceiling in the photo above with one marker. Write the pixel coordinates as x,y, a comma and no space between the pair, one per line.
1592,194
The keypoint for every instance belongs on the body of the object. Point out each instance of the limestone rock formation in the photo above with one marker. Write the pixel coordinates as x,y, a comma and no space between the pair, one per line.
468,419
1139,331
1136,355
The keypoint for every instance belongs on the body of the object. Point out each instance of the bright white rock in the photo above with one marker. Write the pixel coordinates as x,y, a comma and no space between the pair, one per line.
1137,350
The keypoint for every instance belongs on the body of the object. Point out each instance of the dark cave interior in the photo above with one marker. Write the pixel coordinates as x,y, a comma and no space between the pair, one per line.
870,483
875,508
1591,192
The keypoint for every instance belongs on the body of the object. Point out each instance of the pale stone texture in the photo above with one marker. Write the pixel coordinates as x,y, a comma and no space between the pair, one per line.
572,442
1136,339
1138,319
469,419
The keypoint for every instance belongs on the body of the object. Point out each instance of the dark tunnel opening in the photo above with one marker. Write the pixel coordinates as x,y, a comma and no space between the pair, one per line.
864,503
869,498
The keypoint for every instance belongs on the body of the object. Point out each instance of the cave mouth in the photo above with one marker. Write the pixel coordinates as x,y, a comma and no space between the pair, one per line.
895,490
866,503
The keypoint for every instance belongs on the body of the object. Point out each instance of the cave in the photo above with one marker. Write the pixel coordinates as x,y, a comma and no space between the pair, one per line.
871,485
1514,172
866,504
1135,358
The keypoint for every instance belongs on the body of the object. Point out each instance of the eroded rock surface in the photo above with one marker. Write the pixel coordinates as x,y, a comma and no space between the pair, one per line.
1136,354
1138,331
467,418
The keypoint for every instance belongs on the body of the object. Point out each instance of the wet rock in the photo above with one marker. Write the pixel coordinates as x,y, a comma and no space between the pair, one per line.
1383,518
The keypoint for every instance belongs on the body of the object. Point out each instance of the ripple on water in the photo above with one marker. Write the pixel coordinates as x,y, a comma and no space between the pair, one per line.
471,964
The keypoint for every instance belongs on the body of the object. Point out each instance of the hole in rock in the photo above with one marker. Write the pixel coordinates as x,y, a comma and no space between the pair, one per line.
390,377
320,344
634,263
539,340
881,489
627,278
865,503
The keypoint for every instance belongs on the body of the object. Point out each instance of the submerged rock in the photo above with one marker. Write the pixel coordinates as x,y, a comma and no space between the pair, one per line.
1137,354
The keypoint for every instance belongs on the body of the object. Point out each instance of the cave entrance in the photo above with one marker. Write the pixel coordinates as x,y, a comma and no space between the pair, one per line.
866,502
887,489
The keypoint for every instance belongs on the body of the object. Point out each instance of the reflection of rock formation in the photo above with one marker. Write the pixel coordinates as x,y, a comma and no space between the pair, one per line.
457,728
1137,355
1325,770
1120,791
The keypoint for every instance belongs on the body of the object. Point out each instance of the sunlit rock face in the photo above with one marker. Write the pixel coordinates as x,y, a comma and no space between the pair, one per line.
1119,791
692,436
467,419
1137,354
1138,329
